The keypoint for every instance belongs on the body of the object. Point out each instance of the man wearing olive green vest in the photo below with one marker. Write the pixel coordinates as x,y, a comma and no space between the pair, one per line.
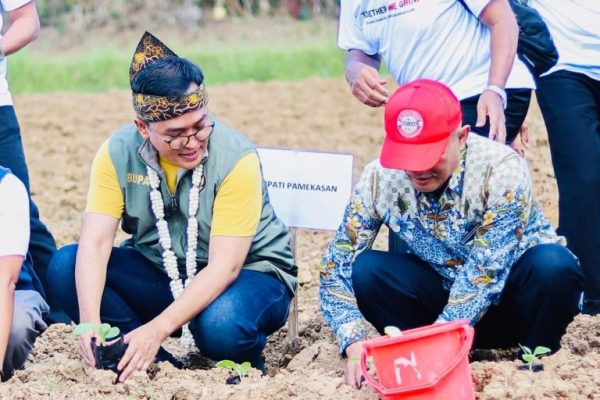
207,257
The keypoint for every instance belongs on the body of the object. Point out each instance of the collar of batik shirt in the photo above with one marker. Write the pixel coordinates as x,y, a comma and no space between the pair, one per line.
453,190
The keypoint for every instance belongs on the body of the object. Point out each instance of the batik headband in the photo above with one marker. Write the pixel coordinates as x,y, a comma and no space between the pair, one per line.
150,108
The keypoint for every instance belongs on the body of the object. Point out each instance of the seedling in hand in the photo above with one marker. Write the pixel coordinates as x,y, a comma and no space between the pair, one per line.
106,356
105,331
240,369
529,357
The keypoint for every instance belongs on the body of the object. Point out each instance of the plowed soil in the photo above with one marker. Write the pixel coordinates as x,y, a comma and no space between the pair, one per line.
62,133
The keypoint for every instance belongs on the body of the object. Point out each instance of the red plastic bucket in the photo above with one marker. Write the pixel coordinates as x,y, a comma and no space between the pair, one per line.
428,363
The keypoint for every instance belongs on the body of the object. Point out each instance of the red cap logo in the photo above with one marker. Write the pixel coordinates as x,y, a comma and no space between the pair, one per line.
410,123
419,120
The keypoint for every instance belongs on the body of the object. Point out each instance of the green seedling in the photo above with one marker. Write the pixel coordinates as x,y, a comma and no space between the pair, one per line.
105,331
240,369
529,357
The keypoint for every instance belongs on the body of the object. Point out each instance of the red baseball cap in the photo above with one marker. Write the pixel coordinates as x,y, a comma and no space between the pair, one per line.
420,118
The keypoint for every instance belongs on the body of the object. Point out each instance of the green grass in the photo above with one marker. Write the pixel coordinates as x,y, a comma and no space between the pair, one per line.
104,69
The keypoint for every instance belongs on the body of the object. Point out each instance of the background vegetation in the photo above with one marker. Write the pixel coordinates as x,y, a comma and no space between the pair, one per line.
86,45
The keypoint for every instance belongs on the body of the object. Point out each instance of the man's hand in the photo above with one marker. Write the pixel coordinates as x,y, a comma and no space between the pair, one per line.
521,142
85,347
144,343
353,373
368,86
490,105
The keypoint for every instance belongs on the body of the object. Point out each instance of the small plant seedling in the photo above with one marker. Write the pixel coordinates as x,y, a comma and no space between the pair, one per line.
529,357
105,331
240,369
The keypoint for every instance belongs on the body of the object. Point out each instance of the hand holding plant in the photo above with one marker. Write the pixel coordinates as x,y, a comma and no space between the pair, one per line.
104,331
93,344
352,372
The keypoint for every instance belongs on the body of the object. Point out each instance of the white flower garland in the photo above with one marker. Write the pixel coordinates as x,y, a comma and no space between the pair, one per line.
164,238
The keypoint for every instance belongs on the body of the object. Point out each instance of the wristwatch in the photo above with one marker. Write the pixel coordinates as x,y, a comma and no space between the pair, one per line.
496,89
2,54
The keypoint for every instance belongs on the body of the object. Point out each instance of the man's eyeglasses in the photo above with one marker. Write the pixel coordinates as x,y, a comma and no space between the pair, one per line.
178,142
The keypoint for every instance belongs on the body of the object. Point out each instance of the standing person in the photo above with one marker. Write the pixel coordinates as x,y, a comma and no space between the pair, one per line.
22,308
569,97
24,29
468,45
480,248
470,50
207,255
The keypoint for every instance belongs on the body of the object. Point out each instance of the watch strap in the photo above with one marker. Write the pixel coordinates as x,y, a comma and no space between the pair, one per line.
499,91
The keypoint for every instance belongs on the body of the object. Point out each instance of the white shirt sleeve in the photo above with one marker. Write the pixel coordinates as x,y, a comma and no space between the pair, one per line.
14,217
350,35
476,6
10,5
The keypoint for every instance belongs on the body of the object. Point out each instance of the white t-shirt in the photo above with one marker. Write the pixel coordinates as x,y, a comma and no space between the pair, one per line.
7,5
435,39
575,29
14,217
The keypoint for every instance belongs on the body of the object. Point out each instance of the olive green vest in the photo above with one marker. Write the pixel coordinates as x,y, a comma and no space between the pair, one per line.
270,251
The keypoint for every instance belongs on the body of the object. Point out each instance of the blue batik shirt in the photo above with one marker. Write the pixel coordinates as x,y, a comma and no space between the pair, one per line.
471,234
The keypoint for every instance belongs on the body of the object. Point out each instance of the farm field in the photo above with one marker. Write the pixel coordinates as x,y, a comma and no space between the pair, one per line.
62,132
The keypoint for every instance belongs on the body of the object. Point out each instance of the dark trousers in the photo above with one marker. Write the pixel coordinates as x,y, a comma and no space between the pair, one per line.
41,243
234,326
539,300
570,104
517,105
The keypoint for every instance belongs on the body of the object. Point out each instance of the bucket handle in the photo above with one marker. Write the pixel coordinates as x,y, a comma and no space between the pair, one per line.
468,330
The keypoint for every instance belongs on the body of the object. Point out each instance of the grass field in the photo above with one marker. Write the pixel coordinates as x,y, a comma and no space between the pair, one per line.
243,50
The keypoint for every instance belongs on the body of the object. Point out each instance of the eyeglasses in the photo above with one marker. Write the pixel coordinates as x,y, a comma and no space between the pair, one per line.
178,142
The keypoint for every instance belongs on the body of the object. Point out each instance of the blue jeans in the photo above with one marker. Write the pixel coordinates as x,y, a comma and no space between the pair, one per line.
234,326
570,104
12,155
540,298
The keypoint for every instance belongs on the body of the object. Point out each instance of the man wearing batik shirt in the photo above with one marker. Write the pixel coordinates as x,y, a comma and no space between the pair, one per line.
479,247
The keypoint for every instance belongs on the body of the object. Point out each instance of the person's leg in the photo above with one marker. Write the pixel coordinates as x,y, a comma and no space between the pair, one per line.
398,290
517,105
135,290
27,324
12,155
570,104
236,324
395,244
540,299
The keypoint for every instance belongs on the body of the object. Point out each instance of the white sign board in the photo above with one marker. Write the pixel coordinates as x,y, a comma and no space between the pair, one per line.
307,189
